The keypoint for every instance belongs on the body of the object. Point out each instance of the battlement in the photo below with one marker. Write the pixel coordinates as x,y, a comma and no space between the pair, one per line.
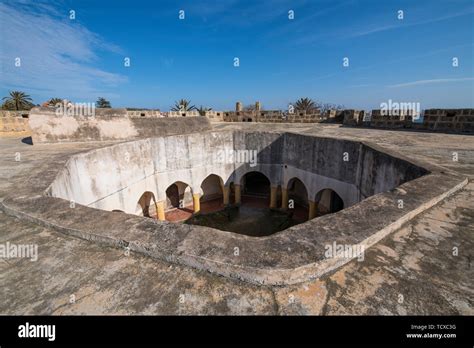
272,116
444,120
144,113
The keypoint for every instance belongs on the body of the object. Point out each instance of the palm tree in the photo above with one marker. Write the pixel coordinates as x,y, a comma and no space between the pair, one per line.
54,101
183,105
202,110
18,100
102,103
305,104
8,105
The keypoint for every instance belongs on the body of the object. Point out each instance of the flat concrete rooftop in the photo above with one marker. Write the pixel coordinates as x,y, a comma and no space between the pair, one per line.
416,261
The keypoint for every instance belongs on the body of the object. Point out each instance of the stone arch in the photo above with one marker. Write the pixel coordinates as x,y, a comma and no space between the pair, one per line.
297,190
328,201
270,172
212,193
211,187
297,199
256,189
145,204
255,183
178,195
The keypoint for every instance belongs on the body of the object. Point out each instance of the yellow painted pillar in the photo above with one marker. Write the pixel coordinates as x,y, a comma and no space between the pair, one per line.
160,210
273,197
284,199
312,210
197,202
238,194
226,193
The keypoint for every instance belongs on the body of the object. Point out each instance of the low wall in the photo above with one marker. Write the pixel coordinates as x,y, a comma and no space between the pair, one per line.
14,113
458,120
14,126
144,113
107,125
353,117
272,116
442,120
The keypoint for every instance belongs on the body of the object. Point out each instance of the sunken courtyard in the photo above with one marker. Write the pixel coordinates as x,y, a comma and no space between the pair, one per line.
134,214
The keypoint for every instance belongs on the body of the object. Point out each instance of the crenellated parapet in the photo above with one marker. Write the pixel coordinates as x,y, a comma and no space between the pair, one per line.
444,120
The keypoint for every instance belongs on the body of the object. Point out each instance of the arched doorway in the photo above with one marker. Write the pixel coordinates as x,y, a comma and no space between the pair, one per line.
178,195
328,202
297,199
212,198
179,202
147,204
255,189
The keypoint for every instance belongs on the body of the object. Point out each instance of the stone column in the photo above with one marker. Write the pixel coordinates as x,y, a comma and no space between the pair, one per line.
312,210
160,210
238,107
197,202
238,194
226,193
284,199
273,197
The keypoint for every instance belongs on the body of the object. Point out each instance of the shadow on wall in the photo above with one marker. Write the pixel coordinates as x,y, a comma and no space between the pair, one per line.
253,190
291,171
289,190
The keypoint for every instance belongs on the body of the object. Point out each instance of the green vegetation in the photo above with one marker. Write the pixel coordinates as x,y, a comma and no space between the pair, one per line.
309,105
305,104
102,103
202,110
17,101
183,105
54,101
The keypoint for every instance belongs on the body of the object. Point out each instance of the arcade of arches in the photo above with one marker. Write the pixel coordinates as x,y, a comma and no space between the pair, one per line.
253,190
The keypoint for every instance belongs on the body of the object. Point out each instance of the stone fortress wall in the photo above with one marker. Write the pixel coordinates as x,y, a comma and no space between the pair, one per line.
14,123
106,125
443,120
271,116
240,115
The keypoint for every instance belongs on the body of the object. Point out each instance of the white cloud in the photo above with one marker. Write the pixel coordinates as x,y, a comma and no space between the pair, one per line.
427,82
58,55
405,25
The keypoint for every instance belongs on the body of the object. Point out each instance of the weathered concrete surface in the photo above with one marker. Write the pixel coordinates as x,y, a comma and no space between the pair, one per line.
106,125
415,262
107,281
288,257
433,147
115,177
14,126
411,272
367,286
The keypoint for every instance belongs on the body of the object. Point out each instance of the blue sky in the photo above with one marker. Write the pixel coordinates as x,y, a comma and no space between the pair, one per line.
407,60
